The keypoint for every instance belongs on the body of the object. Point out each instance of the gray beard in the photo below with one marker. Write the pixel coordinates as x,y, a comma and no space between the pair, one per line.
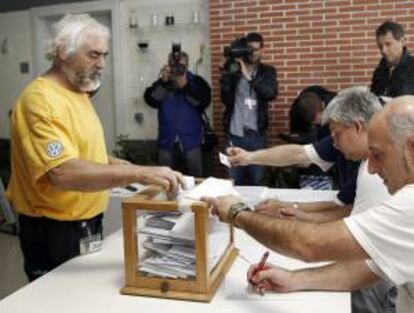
81,81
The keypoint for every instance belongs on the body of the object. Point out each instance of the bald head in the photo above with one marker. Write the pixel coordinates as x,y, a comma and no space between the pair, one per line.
400,105
398,118
391,143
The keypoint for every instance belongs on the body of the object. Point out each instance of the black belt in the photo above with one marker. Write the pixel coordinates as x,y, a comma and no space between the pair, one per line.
248,131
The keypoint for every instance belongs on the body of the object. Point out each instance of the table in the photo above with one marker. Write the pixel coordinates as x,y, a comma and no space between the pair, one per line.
113,215
91,283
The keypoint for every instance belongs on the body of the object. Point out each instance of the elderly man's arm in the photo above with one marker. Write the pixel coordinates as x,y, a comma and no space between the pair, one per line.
301,240
341,276
310,242
333,214
319,206
322,211
283,155
83,175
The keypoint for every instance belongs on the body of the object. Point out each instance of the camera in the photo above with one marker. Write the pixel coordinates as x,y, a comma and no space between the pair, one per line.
237,49
177,68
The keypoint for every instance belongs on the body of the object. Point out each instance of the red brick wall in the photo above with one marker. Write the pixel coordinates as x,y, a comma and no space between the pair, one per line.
325,42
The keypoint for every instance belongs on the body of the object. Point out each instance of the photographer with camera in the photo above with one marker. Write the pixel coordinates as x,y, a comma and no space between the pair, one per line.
181,98
247,87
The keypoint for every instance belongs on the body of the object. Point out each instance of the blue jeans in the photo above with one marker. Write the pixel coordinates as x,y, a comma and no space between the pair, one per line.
175,158
251,175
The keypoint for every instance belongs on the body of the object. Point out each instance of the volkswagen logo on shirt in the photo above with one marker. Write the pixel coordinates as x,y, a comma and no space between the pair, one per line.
54,149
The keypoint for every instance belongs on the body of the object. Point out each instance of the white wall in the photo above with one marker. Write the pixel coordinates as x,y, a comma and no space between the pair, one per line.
138,69
15,27
141,69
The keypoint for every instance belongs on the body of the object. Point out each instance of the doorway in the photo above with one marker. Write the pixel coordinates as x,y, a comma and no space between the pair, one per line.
105,100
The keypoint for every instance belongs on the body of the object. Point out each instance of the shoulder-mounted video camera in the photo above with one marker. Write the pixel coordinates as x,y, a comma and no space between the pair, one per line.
238,49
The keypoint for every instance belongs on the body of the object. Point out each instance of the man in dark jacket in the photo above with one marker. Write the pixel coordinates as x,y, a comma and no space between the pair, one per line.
246,95
180,97
394,75
305,115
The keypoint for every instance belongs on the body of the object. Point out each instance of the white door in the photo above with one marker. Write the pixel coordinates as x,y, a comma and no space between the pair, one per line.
104,100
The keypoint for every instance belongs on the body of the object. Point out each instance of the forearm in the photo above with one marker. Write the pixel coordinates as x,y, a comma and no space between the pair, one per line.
332,214
227,89
283,155
321,206
113,160
198,93
341,276
266,86
82,175
156,94
306,241
198,99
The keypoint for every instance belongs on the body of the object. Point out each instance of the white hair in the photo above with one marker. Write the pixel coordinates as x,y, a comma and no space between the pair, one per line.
401,126
356,104
67,32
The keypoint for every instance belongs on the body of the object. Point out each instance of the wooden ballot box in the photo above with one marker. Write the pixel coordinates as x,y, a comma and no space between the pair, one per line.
171,252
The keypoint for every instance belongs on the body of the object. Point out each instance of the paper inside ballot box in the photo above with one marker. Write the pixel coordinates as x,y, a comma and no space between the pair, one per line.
166,239
169,244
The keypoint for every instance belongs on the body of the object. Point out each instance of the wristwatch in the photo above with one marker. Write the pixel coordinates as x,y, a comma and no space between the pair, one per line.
236,209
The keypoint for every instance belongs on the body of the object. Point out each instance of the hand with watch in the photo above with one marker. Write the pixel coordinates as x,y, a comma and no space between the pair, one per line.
226,208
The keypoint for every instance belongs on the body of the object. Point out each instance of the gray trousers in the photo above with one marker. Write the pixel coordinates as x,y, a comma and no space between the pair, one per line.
378,298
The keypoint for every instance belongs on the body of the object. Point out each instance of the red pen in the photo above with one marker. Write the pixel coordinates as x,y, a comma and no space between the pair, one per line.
260,266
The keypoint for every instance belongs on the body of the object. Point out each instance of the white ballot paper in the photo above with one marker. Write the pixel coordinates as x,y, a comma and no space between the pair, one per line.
189,182
211,187
224,159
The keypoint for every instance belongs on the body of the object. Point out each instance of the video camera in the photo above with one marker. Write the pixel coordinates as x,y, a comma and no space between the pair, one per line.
177,68
237,49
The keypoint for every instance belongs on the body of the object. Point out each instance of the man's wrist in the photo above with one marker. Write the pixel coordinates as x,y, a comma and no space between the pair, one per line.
235,210
238,219
303,279
137,171
251,157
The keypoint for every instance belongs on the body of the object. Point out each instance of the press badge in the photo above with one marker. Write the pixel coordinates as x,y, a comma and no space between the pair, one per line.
250,103
89,243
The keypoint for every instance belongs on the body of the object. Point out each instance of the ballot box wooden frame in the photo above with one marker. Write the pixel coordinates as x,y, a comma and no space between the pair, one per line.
206,282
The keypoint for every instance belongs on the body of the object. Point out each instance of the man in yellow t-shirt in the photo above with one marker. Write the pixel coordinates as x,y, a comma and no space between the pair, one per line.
60,168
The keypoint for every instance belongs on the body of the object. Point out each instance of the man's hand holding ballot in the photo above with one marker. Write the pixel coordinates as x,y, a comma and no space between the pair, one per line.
238,156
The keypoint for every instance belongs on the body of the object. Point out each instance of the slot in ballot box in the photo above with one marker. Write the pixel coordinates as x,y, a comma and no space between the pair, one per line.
174,249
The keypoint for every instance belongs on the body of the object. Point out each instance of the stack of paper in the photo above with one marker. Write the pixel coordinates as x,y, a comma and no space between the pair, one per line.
170,244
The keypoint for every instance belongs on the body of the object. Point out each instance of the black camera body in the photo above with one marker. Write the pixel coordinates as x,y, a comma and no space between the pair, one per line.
238,49
177,68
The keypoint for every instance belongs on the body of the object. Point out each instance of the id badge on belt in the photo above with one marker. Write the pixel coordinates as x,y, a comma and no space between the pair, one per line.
89,243
250,103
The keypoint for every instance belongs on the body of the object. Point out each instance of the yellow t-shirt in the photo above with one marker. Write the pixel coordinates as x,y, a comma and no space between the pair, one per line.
51,125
